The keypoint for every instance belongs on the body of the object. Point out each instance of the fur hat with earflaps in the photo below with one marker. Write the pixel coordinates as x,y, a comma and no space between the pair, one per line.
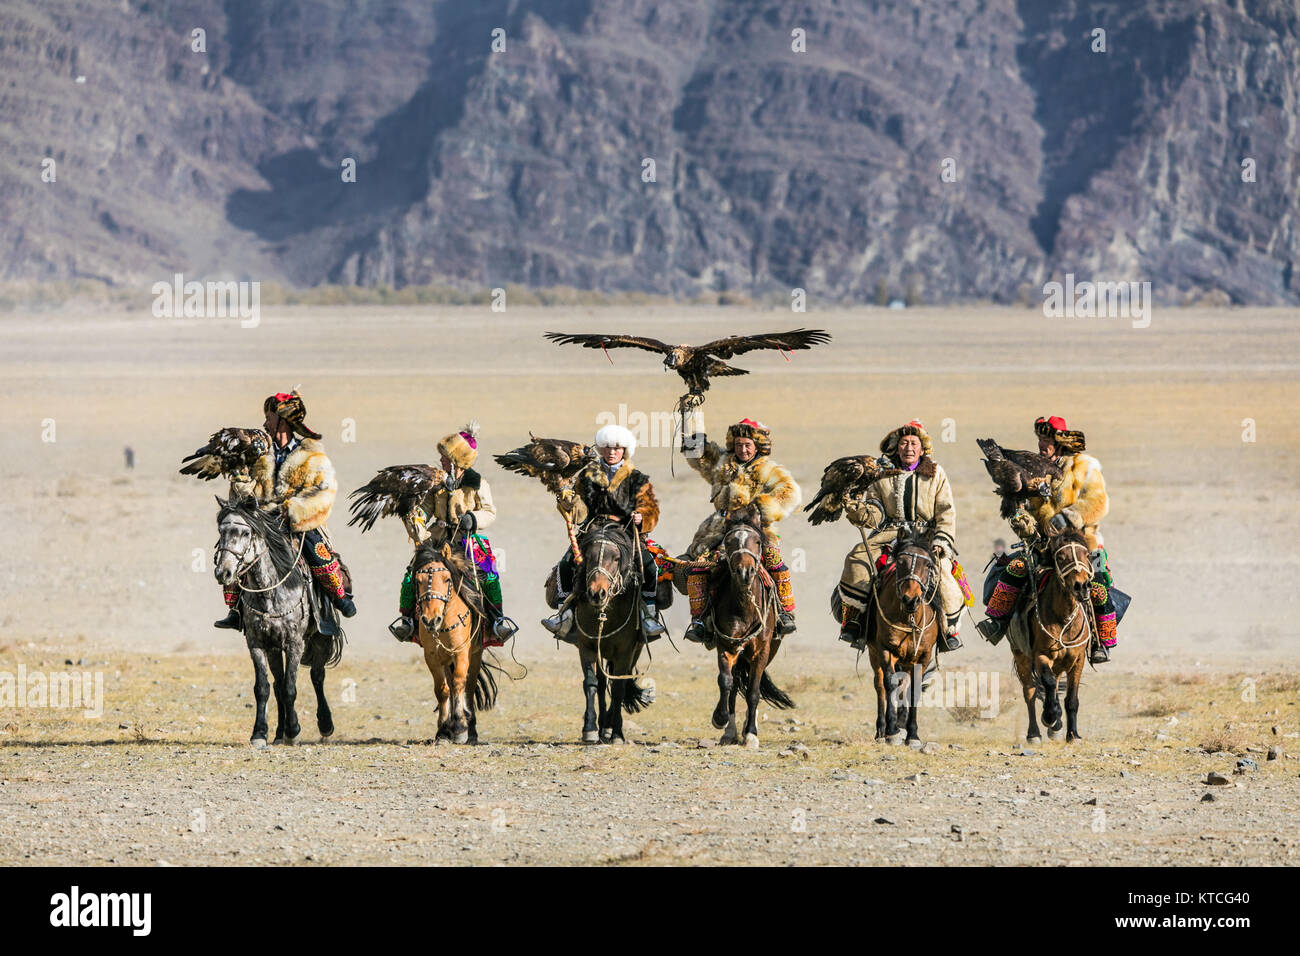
889,444
616,436
757,432
289,407
1053,428
461,447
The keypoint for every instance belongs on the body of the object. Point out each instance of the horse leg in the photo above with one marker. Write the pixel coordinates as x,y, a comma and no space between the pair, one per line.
471,683
724,716
441,687
1047,686
590,726
913,737
459,665
276,660
1072,701
757,665
617,690
261,694
878,679
1029,687
892,736
292,661
324,719
603,716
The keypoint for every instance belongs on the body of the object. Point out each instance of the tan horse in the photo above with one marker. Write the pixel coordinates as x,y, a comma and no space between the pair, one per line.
906,627
451,633
1059,621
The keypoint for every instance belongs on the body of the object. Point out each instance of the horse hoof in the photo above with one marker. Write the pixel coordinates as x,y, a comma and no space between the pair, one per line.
258,742
727,739
1054,734
327,734
1033,740
1056,727
605,735
894,740
915,743
590,737
718,724
751,741
616,741
462,738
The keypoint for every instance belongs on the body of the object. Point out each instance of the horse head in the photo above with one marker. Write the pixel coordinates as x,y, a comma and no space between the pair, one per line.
433,588
914,581
742,545
607,556
238,543
1071,563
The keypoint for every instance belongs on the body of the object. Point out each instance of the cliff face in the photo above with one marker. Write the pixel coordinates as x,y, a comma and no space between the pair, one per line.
772,168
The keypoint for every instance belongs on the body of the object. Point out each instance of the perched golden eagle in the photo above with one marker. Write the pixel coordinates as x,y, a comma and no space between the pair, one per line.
229,452
696,364
555,461
844,478
1018,475
394,491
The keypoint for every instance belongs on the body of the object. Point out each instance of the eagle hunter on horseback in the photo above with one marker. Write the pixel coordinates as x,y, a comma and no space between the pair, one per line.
1072,499
609,490
739,475
462,500
293,476
903,489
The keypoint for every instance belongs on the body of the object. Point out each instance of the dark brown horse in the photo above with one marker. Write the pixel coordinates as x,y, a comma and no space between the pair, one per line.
906,627
743,622
606,605
1058,618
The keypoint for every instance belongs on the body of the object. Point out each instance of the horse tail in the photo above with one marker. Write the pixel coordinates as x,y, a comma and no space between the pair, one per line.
637,699
767,689
485,688
323,650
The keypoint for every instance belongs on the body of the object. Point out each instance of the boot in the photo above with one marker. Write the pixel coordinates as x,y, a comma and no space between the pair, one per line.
784,622
403,628
650,625
850,626
232,621
948,639
1100,653
697,632
346,606
561,625
503,629
993,629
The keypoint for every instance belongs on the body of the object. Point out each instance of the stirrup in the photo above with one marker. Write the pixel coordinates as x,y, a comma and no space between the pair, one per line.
992,629
233,620
784,623
403,628
650,625
1100,654
696,632
504,628
948,642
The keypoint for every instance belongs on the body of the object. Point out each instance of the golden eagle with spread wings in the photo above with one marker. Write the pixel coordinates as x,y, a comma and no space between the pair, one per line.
844,478
229,452
1018,475
696,364
556,461
394,491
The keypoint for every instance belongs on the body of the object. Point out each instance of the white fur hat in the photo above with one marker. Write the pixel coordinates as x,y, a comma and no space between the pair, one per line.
616,436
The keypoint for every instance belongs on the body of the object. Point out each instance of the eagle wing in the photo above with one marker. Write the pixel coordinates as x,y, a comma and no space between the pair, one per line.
786,341
555,461
1017,475
595,340
394,491
842,479
229,452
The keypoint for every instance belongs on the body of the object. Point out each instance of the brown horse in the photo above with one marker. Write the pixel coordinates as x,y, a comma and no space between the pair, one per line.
1058,619
451,633
743,622
906,627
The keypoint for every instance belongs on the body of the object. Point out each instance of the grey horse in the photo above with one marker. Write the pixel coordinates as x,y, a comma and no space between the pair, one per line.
255,552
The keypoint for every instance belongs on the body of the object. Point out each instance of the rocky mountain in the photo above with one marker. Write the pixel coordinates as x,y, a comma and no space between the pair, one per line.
960,149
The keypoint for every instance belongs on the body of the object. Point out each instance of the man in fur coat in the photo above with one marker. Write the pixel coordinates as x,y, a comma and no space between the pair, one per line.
919,494
297,478
739,474
1078,501
464,503
610,488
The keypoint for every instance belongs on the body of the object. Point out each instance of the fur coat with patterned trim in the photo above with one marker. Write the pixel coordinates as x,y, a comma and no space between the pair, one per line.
305,485
1079,495
629,491
922,494
472,496
734,484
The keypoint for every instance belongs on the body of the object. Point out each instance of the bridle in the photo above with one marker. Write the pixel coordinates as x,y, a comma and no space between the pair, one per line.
1074,548
241,568
908,558
618,579
767,602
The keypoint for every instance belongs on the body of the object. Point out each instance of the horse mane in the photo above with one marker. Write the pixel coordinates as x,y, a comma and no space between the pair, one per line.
278,543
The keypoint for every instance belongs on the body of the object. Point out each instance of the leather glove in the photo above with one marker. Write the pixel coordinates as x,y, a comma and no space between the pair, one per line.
855,509
1024,525
567,500
941,550
1059,523
467,523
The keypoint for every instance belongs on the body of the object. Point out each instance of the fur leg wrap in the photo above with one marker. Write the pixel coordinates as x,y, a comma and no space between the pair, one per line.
406,598
1104,609
784,588
1007,591
697,589
330,579
231,593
